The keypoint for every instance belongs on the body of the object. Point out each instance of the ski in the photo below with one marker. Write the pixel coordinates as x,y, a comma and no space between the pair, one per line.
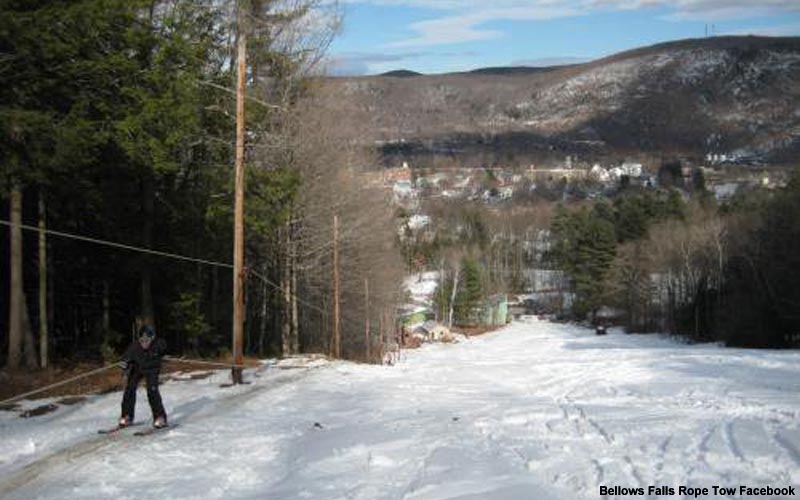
154,430
117,428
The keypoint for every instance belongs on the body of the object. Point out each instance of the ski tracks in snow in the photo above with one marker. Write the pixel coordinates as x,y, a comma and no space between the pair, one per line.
63,462
537,410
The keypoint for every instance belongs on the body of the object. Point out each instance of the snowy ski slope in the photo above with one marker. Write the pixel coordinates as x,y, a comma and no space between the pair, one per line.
535,411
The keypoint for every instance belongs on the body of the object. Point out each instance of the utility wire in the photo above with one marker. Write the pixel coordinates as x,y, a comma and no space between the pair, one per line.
119,245
299,300
150,251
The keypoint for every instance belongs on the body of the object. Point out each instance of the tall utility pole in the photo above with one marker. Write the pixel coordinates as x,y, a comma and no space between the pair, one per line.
337,334
16,304
238,224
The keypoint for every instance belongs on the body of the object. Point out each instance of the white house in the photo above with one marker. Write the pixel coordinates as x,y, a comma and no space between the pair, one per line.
505,192
615,173
599,173
403,189
632,169
417,222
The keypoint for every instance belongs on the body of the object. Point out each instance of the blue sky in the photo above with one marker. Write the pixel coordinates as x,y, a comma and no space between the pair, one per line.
438,36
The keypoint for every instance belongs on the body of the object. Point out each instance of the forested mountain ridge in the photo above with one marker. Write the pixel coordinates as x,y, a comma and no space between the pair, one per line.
732,96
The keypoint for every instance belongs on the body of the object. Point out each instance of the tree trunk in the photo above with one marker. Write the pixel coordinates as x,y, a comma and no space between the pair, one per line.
326,333
286,326
439,309
262,334
51,295
337,339
453,299
366,320
15,291
30,344
382,346
214,294
295,312
43,312
106,308
148,209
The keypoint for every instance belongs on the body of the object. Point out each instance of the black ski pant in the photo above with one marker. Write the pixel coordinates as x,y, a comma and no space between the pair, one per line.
153,396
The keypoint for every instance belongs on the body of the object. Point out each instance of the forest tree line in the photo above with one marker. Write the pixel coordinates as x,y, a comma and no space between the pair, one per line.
117,122
697,269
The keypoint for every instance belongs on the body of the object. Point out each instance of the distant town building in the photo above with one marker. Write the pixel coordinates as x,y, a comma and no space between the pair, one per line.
403,189
631,169
724,191
418,221
599,173
505,192
391,175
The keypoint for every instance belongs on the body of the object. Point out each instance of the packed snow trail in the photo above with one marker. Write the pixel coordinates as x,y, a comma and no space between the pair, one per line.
536,410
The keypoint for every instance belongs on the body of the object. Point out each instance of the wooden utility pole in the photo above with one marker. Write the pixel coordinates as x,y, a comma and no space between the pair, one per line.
337,334
15,300
238,224
366,314
43,334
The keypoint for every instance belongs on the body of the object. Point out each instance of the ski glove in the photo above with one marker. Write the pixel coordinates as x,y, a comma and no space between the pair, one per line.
124,365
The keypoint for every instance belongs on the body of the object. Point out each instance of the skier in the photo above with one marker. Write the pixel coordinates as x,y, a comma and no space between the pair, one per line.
143,360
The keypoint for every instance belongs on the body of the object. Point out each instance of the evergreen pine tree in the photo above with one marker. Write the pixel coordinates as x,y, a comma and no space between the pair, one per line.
470,292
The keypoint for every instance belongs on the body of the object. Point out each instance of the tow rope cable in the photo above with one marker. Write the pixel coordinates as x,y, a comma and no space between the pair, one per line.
108,367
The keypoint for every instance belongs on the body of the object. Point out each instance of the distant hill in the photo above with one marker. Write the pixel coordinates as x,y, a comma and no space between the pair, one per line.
401,73
514,70
738,96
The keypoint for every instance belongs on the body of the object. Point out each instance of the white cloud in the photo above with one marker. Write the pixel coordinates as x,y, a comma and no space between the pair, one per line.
780,30
465,20
719,10
685,7
700,9
367,63
456,29
362,63
467,27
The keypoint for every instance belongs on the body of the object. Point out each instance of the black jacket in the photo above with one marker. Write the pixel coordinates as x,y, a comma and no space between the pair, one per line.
145,360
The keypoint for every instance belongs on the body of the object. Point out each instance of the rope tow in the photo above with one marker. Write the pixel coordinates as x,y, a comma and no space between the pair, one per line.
59,384
108,367
201,362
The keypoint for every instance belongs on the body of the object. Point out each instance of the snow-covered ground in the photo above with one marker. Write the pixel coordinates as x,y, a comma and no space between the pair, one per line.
422,286
534,411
